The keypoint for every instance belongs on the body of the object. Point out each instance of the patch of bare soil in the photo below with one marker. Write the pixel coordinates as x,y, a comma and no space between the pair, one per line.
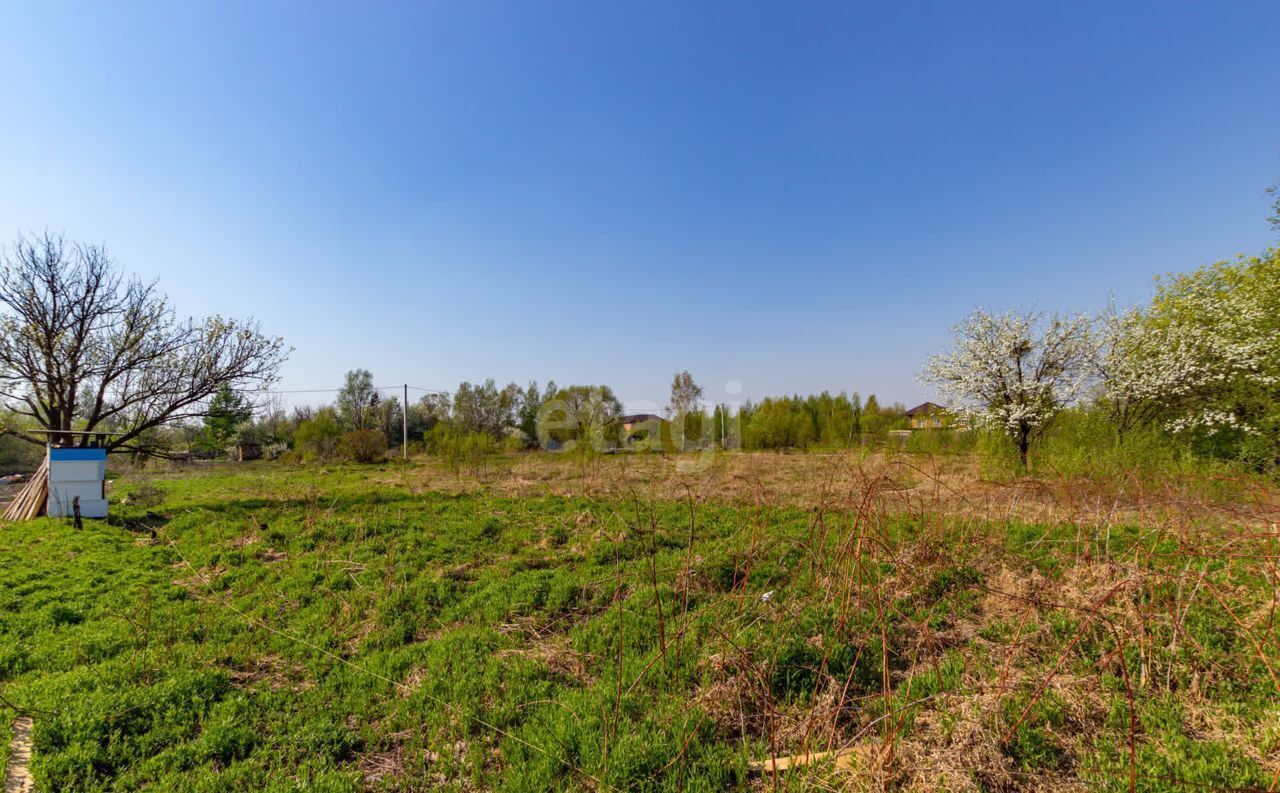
273,671
544,645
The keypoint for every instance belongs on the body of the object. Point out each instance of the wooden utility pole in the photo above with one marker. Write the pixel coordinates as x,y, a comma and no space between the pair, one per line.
404,423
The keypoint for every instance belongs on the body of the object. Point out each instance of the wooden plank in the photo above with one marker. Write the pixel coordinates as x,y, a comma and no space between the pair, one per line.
33,505
19,503
42,492
18,778
30,501
843,758
25,496
39,494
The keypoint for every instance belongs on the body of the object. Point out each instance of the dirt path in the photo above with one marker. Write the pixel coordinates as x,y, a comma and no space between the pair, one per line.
19,780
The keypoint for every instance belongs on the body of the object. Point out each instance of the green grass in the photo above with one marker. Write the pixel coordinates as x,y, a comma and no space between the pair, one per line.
315,629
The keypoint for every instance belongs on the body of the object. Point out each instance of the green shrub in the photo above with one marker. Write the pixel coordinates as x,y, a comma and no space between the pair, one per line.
145,496
317,438
1033,745
1084,441
941,441
225,742
17,455
363,446
949,580
997,456
325,737
459,448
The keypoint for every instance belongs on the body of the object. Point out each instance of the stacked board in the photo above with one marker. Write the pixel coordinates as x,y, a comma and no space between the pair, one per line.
30,501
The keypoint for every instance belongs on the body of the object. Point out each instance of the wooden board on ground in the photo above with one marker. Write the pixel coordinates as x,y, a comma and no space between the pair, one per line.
30,501
18,778
843,758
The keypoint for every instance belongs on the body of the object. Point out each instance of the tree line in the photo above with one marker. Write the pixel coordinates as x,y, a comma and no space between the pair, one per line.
482,418
90,356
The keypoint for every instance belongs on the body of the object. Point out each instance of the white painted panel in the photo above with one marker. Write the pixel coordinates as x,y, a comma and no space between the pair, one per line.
72,489
77,471
62,495
89,508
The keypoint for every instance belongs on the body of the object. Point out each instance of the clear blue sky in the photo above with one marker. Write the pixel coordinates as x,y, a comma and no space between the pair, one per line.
794,196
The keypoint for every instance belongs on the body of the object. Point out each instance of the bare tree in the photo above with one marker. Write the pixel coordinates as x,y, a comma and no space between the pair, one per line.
82,347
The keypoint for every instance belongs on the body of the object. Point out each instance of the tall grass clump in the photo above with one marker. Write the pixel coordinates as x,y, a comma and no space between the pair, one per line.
458,448
1085,442
363,446
941,441
997,456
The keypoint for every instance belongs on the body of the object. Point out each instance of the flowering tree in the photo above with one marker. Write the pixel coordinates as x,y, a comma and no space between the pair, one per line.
1013,371
1203,359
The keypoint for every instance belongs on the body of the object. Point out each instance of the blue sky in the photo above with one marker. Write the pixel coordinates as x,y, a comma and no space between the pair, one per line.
792,196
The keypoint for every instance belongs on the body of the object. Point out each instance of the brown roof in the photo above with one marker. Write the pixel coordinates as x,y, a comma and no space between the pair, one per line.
639,418
925,408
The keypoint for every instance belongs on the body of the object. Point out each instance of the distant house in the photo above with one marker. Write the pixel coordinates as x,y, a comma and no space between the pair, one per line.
641,426
928,416
246,451
637,419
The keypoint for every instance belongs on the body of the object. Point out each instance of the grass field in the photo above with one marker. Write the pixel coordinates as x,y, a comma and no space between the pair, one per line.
646,623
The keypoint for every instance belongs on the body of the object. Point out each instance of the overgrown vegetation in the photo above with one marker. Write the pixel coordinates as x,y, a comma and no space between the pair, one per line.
1074,586
346,628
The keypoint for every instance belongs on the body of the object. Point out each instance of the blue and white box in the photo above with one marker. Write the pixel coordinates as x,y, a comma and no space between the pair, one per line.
77,473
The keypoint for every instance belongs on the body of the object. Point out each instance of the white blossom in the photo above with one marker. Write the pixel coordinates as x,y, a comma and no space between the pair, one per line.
1013,371
1175,360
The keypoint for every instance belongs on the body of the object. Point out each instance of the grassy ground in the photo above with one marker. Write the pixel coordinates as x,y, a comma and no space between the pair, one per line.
607,627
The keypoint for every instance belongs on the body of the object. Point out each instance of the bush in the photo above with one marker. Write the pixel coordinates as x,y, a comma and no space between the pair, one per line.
941,441
997,456
145,496
317,438
458,448
363,446
1083,442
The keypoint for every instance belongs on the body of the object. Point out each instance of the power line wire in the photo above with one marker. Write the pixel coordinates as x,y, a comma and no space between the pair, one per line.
273,391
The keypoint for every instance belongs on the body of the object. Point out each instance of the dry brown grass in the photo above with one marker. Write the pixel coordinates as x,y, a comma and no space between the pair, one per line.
959,737
892,483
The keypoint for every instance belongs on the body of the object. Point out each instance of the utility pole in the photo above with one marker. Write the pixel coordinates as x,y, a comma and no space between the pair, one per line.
404,423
